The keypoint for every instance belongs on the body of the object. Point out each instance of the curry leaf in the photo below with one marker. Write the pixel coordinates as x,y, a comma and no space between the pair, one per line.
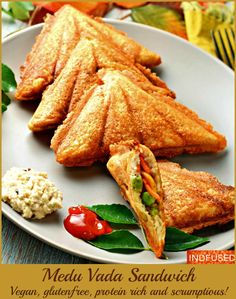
114,213
117,241
123,241
8,79
177,240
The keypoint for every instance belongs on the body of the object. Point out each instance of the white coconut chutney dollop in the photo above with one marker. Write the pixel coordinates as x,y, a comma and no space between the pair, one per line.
30,192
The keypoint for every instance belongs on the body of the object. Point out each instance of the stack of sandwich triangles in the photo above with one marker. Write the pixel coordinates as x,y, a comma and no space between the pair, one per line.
96,85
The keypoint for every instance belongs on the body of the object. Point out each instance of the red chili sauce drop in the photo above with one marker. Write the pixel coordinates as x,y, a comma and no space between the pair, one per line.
84,224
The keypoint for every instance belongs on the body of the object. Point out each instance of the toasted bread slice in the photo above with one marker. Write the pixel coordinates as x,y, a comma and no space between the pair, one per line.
55,102
50,53
79,74
59,37
194,200
118,110
136,51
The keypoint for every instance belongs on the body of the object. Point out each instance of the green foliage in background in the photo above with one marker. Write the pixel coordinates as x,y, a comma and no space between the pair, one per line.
19,10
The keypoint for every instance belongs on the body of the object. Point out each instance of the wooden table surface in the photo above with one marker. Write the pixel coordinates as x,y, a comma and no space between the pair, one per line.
18,247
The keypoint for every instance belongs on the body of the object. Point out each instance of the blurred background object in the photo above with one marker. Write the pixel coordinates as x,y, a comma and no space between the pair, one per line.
18,10
161,17
202,18
128,4
98,9
224,42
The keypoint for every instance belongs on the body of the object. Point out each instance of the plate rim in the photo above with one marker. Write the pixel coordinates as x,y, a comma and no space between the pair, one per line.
225,246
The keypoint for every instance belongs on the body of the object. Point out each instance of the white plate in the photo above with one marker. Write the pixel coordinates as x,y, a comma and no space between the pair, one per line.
201,82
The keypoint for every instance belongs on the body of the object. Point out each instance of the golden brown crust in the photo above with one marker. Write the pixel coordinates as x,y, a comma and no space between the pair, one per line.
49,51
193,200
40,39
154,79
88,61
56,99
72,116
75,148
57,40
134,50
216,221
70,39
165,126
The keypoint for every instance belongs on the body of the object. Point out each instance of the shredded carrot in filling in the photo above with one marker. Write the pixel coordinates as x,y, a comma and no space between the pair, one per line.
138,168
148,180
144,165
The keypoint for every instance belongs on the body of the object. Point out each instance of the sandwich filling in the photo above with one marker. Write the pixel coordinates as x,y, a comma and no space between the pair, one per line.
143,183
146,193
135,169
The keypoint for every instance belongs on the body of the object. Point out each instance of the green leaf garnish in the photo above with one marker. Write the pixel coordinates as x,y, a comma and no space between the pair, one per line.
8,85
114,213
123,241
177,240
19,10
4,107
5,101
8,79
117,241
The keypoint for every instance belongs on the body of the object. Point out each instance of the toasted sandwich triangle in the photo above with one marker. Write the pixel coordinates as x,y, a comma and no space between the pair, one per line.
79,74
191,200
89,120
194,200
167,127
49,54
70,84
59,37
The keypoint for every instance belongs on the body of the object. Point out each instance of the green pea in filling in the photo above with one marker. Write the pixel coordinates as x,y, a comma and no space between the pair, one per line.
137,183
147,199
150,203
